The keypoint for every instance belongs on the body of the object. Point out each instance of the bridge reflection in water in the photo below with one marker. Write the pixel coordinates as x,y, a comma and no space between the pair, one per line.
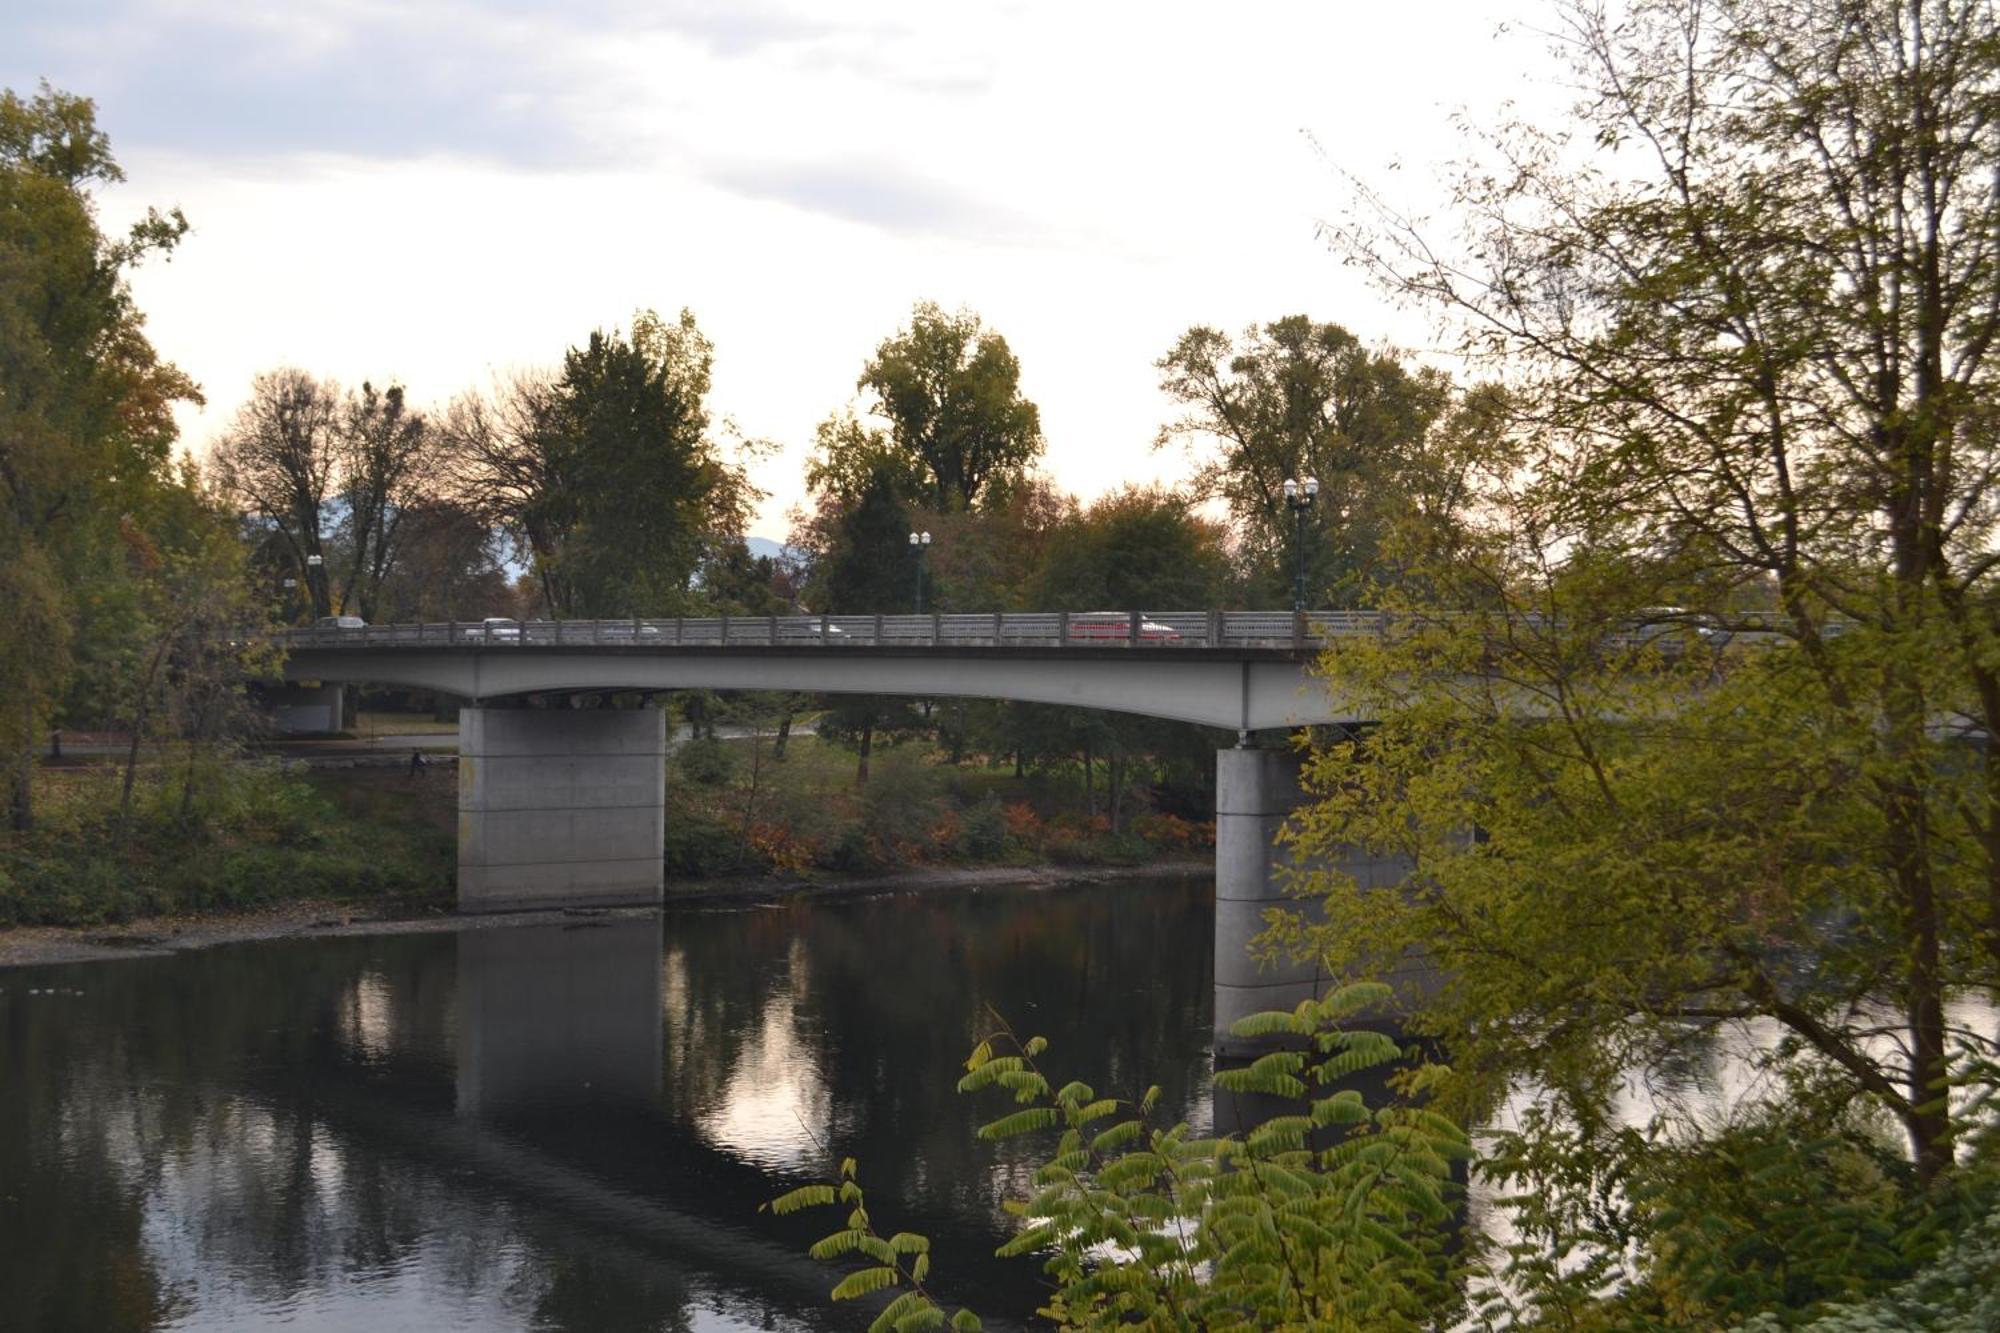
555,1018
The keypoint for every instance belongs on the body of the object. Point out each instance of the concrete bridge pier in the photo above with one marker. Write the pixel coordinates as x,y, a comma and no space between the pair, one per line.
1256,791
561,807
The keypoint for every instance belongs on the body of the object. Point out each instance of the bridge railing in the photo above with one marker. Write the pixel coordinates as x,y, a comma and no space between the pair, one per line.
1163,630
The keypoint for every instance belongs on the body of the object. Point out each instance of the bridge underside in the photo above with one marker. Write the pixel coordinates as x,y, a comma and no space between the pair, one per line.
566,806
1230,689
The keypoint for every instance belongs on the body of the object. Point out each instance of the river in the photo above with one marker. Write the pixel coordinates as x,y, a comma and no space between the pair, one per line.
559,1127
572,1126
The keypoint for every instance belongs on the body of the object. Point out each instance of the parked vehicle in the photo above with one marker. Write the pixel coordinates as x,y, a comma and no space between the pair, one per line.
1117,625
340,622
500,629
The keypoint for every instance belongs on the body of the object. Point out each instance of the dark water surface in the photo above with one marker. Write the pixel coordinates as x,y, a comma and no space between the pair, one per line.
559,1128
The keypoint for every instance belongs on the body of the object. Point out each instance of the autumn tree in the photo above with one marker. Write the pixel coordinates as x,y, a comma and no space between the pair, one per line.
1746,308
86,425
449,565
389,466
279,461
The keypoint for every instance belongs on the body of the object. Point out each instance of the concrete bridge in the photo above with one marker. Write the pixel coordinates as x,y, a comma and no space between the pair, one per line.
562,769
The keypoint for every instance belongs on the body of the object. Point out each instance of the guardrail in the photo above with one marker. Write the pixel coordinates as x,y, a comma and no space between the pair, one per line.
1164,630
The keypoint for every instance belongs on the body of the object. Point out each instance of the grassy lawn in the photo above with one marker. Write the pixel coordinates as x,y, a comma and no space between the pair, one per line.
368,725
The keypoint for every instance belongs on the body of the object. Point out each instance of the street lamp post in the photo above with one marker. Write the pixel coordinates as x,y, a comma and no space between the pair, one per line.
920,542
1299,497
315,580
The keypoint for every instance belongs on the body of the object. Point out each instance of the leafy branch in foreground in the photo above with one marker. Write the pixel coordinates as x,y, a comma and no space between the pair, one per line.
1332,1218
901,1260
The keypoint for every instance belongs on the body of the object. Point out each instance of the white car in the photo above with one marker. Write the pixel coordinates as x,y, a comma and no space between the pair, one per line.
499,629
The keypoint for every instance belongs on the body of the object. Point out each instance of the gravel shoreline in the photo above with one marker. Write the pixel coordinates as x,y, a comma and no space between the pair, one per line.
154,937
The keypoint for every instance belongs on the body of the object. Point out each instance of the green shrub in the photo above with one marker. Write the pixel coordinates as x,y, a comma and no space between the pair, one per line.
707,761
982,830
901,803
697,845
247,832
855,850
1959,1292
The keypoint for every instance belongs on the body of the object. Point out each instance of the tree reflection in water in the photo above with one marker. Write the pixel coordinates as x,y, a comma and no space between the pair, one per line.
556,1127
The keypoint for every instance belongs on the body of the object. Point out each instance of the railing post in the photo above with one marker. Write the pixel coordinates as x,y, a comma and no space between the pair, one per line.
773,628
997,622
878,628
1212,632
825,630
1062,628
680,630
937,628
725,629
635,631
1298,631
1132,635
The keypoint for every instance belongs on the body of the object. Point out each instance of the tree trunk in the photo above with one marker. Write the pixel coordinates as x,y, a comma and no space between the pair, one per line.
867,744
139,714
784,736
21,777
1089,786
1115,780
187,779
131,770
1907,812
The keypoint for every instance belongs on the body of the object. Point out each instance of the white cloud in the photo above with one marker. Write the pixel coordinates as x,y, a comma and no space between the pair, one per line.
433,190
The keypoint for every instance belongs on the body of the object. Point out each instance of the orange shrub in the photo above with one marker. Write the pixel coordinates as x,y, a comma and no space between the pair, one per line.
1022,823
1164,830
782,850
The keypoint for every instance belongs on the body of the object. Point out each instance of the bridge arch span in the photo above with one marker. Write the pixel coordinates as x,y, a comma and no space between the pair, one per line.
1234,691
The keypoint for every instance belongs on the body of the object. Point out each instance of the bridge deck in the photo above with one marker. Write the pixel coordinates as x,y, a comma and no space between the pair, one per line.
1162,630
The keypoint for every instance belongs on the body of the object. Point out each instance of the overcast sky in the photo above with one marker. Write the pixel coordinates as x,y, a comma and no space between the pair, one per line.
432,190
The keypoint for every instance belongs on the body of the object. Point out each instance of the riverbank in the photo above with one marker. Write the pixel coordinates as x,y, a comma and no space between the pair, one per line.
155,936
198,839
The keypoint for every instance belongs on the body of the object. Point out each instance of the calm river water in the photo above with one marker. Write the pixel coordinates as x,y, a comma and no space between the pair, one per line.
559,1127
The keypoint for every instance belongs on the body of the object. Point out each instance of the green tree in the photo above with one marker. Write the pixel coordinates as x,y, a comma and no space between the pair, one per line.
1134,549
607,475
951,393
86,426
868,571
1295,399
1750,353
